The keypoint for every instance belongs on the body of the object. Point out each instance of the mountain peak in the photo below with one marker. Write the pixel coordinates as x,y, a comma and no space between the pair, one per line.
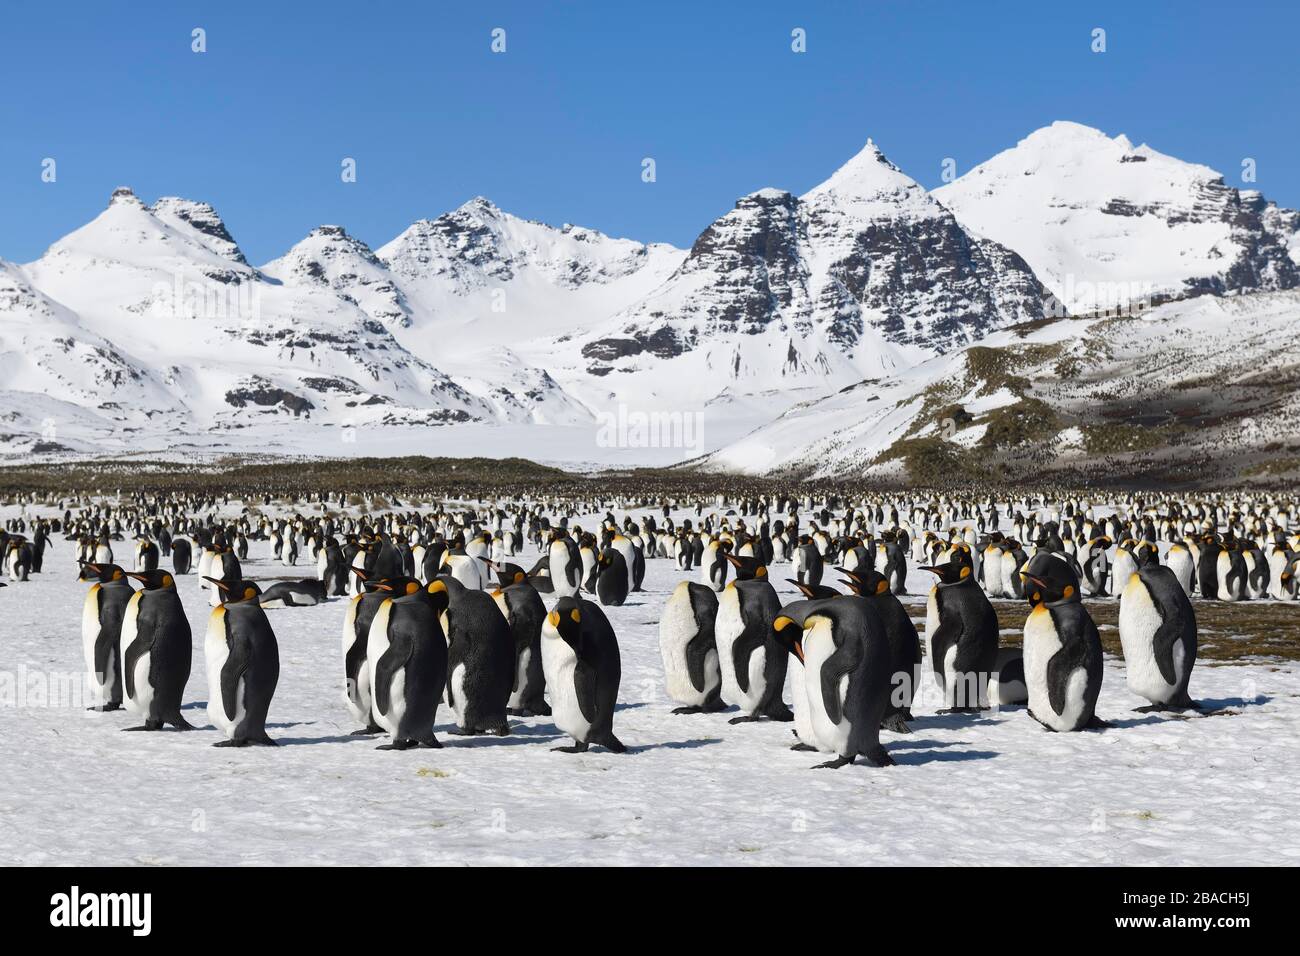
871,186
201,218
124,196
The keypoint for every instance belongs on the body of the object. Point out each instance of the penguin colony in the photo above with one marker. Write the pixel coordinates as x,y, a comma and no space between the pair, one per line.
438,615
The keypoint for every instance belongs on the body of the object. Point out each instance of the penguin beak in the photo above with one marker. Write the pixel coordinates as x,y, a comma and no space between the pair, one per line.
139,577
381,586
219,583
1035,580
359,573
932,569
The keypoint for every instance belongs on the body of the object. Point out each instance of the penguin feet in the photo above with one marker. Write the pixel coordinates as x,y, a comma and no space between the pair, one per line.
780,713
744,719
105,708
961,710
180,723
1096,723
896,723
834,764
147,725
232,743
801,746
398,745
578,748
367,731
499,730
879,757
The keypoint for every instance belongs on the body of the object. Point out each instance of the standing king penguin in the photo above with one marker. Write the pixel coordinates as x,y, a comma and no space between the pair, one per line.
243,663
583,670
1062,659
1157,628
407,656
101,631
156,652
751,662
961,633
690,653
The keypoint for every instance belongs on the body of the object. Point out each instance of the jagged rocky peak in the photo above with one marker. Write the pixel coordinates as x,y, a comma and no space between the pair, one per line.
202,218
330,258
124,196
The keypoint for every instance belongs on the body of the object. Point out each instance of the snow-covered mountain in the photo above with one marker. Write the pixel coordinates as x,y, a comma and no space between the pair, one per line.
864,274
1103,222
1198,390
796,318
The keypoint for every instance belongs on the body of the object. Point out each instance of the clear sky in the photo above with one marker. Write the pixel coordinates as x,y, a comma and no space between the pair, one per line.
556,127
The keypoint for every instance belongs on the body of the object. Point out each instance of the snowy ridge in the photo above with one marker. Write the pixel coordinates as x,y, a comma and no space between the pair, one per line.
1103,222
150,322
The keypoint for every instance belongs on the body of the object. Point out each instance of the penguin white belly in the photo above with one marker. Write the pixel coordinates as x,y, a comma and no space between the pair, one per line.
89,633
559,564
457,686
818,646
1139,620
1010,569
727,628
1180,562
354,580
143,698
677,627
1277,563
1041,644
521,678
205,568
376,646
559,662
127,637
360,709
803,727
931,627
103,554
322,562
216,650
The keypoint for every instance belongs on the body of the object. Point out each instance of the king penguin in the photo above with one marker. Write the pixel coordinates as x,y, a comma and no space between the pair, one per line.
1062,661
524,611
904,643
689,651
583,669
357,692
848,665
480,659
612,577
101,631
565,562
243,664
1157,628
156,652
407,656
961,633
752,664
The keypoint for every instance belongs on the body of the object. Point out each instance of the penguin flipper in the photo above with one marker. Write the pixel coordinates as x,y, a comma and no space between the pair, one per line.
585,687
844,661
232,672
389,663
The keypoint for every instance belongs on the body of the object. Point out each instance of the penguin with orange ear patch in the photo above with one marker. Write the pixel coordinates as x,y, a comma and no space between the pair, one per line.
1062,661
406,654
243,663
583,669
961,633
904,643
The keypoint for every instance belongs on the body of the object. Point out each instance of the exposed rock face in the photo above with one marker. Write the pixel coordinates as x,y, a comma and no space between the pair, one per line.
836,279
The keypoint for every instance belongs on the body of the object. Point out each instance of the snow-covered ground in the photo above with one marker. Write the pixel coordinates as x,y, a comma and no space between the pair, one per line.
691,790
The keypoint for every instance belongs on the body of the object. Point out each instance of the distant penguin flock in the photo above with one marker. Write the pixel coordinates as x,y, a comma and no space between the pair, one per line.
437,614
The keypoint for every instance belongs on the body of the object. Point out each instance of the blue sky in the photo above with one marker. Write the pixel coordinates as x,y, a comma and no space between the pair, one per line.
557,126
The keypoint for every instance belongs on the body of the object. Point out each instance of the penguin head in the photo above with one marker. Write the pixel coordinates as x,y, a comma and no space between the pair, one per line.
955,570
508,574
789,635
1052,579
437,594
156,580
747,569
566,622
102,573
236,592
397,587
868,583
